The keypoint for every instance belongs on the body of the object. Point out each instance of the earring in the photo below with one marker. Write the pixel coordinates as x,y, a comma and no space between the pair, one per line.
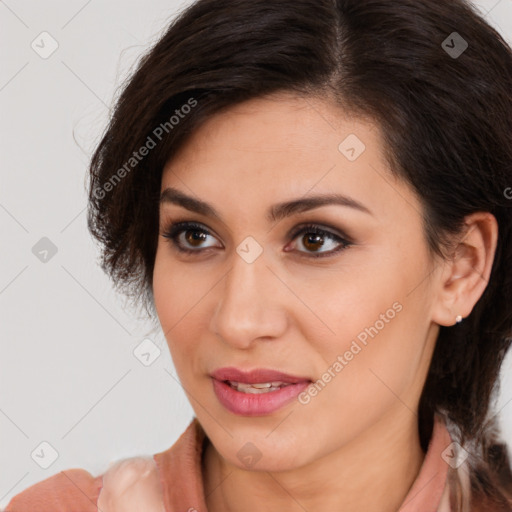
458,319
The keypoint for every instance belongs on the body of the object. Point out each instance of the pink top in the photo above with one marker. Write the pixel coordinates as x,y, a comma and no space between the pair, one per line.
171,481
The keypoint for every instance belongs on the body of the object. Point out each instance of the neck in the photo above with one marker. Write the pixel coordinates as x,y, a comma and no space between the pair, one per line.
373,473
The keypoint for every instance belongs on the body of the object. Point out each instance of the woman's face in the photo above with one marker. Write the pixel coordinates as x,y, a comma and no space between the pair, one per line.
349,307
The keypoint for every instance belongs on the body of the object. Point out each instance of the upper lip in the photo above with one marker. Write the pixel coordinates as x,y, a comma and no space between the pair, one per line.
256,376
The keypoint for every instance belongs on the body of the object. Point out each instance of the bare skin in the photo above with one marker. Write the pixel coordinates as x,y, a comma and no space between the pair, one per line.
355,445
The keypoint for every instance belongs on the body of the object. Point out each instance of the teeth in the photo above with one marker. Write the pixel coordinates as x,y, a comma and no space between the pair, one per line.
262,387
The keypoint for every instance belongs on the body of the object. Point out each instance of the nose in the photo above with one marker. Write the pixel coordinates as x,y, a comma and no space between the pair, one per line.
251,304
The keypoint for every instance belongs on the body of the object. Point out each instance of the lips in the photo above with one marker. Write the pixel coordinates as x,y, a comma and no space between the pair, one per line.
257,376
257,392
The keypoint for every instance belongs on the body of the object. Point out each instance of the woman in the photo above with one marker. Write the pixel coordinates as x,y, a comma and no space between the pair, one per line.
313,198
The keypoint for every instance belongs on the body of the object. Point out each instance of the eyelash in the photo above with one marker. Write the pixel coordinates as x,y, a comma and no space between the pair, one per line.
174,230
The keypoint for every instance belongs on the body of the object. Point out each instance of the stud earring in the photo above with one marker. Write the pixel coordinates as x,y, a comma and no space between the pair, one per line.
458,319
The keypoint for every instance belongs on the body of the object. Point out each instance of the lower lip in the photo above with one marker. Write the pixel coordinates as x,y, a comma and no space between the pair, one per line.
251,404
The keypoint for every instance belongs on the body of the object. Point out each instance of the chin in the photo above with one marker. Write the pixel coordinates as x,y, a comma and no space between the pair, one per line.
258,453
271,464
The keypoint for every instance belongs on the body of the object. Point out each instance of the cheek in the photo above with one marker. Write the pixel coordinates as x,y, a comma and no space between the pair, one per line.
361,381
371,325
345,301
178,289
175,294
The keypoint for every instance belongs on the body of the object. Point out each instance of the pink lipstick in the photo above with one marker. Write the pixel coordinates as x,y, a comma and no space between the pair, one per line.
257,392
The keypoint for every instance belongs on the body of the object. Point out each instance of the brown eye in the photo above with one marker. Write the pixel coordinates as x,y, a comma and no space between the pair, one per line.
188,237
195,237
313,242
314,239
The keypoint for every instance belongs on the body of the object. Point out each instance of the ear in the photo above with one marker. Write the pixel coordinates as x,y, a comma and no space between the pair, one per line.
466,273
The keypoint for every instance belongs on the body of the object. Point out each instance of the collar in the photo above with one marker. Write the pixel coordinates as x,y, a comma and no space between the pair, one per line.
181,474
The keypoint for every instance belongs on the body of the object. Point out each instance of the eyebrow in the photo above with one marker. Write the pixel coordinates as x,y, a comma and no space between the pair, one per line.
276,212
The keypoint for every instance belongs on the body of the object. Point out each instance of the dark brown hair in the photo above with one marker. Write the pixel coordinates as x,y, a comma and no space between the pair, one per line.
442,100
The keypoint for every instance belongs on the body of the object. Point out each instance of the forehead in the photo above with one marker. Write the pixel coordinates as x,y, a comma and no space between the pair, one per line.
285,146
277,123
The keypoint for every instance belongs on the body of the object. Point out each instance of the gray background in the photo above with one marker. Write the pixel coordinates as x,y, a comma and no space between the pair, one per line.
68,373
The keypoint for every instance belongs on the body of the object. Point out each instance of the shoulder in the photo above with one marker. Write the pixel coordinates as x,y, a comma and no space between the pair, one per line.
67,491
130,484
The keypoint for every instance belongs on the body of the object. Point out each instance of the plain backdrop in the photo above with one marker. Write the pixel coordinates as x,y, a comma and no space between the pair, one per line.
75,391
